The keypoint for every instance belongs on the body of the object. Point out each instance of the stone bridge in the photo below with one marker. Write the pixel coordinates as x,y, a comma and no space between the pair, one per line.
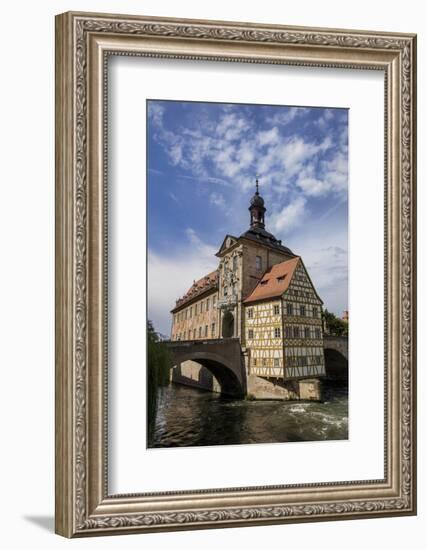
222,357
337,343
336,357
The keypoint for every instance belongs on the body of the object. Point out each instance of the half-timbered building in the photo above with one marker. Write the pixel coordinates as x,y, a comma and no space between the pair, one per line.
284,324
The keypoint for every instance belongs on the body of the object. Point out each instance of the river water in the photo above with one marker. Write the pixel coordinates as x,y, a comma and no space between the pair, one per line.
189,417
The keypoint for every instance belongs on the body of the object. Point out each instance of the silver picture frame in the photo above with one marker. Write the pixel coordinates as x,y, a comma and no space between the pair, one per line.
84,41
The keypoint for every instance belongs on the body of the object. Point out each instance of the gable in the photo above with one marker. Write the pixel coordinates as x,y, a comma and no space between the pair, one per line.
228,242
301,284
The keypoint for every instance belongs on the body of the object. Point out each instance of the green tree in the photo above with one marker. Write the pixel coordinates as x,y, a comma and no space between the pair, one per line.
333,325
159,363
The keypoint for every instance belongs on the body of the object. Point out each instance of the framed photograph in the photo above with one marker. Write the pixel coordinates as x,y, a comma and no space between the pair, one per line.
235,274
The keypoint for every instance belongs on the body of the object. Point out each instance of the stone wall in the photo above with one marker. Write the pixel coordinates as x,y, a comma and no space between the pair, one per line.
292,390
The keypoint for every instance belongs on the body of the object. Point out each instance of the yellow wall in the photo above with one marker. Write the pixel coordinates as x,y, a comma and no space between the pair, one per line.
264,338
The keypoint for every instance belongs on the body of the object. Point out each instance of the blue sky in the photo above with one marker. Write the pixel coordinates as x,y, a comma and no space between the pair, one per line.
202,163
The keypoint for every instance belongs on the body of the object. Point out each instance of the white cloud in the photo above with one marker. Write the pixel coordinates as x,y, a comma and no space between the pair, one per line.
216,181
296,152
231,153
291,155
333,177
268,137
175,153
312,186
170,276
231,127
326,116
155,112
330,275
283,118
245,155
217,199
290,217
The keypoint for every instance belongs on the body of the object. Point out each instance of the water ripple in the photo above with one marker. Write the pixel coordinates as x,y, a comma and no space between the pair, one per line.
188,417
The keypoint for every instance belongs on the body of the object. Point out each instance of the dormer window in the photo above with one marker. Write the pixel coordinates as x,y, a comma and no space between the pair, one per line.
264,282
258,263
281,279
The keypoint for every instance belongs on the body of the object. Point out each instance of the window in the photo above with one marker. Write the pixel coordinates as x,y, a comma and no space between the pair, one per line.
306,332
206,330
254,361
225,291
277,332
296,332
207,304
258,263
250,334
302,310
201,307
289,309
213,329
264,361
194,334
276,362
191,312
314,311
250,313
195,309
234,263
276,310
213,301
288,332
317,333
200,332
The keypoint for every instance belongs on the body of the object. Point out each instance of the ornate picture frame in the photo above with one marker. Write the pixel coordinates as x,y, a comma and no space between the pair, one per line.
83,43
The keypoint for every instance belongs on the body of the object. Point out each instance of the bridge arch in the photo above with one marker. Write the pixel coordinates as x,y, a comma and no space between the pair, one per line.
336,357
222,358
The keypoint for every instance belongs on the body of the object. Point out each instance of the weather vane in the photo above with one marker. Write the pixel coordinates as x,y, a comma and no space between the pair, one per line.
256,181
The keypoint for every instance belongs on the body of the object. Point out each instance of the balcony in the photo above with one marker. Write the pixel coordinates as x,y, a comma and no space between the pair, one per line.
228,302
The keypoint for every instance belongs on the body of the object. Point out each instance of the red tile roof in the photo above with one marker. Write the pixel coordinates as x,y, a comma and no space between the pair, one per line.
274,282
208,282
